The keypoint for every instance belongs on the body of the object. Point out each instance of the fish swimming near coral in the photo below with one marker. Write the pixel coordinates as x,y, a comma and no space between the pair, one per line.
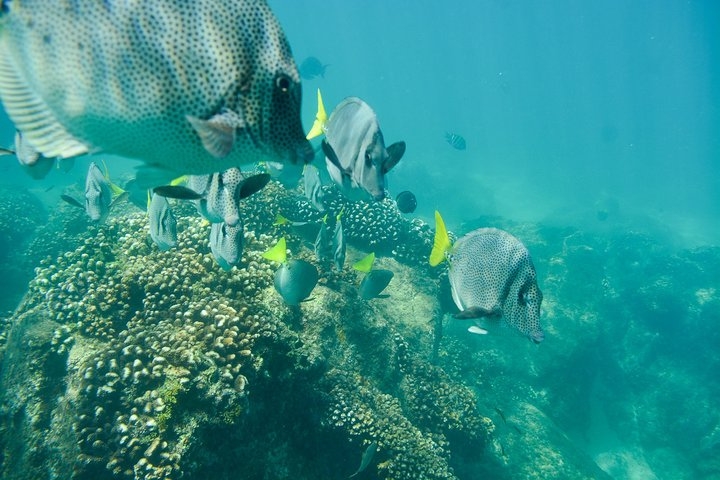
374,281
355,153
188,88
406,201
492,279
30,160
226,244
295,279
338,244
163,225
217,196
99,192
313,187
323,245
456,141
367,457
311,67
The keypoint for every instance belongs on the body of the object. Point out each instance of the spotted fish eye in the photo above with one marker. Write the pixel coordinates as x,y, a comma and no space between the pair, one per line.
283,83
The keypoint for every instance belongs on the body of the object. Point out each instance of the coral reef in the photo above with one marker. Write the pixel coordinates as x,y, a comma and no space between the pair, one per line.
126,362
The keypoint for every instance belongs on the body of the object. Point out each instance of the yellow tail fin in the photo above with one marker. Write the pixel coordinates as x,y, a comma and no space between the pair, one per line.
365,264
280,220
278,253
321,117
442,241
116,190
179,180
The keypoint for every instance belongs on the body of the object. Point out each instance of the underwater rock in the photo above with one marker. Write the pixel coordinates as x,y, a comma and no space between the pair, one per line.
147,364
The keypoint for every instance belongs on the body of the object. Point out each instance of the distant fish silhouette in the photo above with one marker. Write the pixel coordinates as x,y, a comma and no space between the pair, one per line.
311,67
456,141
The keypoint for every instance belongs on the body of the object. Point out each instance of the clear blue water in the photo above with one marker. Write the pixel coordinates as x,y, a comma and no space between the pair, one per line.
597,122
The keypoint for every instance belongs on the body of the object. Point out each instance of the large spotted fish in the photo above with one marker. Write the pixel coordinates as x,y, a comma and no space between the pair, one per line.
355,153
492,279
186,87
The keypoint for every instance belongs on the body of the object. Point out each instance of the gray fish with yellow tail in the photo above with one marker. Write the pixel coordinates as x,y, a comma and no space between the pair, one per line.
295,279
355,153
226,244
375,279
186,87
492,279
163,225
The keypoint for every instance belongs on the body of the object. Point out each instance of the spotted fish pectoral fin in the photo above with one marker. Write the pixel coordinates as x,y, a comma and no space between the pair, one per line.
217,133
253,184
477,330
178,192
32,116
395,153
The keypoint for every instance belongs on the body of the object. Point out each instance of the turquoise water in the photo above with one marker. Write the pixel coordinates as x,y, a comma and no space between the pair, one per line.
592,136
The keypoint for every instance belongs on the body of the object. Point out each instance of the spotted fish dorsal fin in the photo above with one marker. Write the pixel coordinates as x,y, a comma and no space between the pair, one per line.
32,116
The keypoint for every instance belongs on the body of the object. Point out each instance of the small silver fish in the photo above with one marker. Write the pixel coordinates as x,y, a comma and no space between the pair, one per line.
366,458
355,152
30,160
313,187
98,194
188,88
226,244
338,244
163,226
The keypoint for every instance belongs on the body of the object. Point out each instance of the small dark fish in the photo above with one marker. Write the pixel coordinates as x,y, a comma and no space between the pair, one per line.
311,67
178,192
72,201
502,415
295,280
406,201
456,141
47,189
374,283
366,458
